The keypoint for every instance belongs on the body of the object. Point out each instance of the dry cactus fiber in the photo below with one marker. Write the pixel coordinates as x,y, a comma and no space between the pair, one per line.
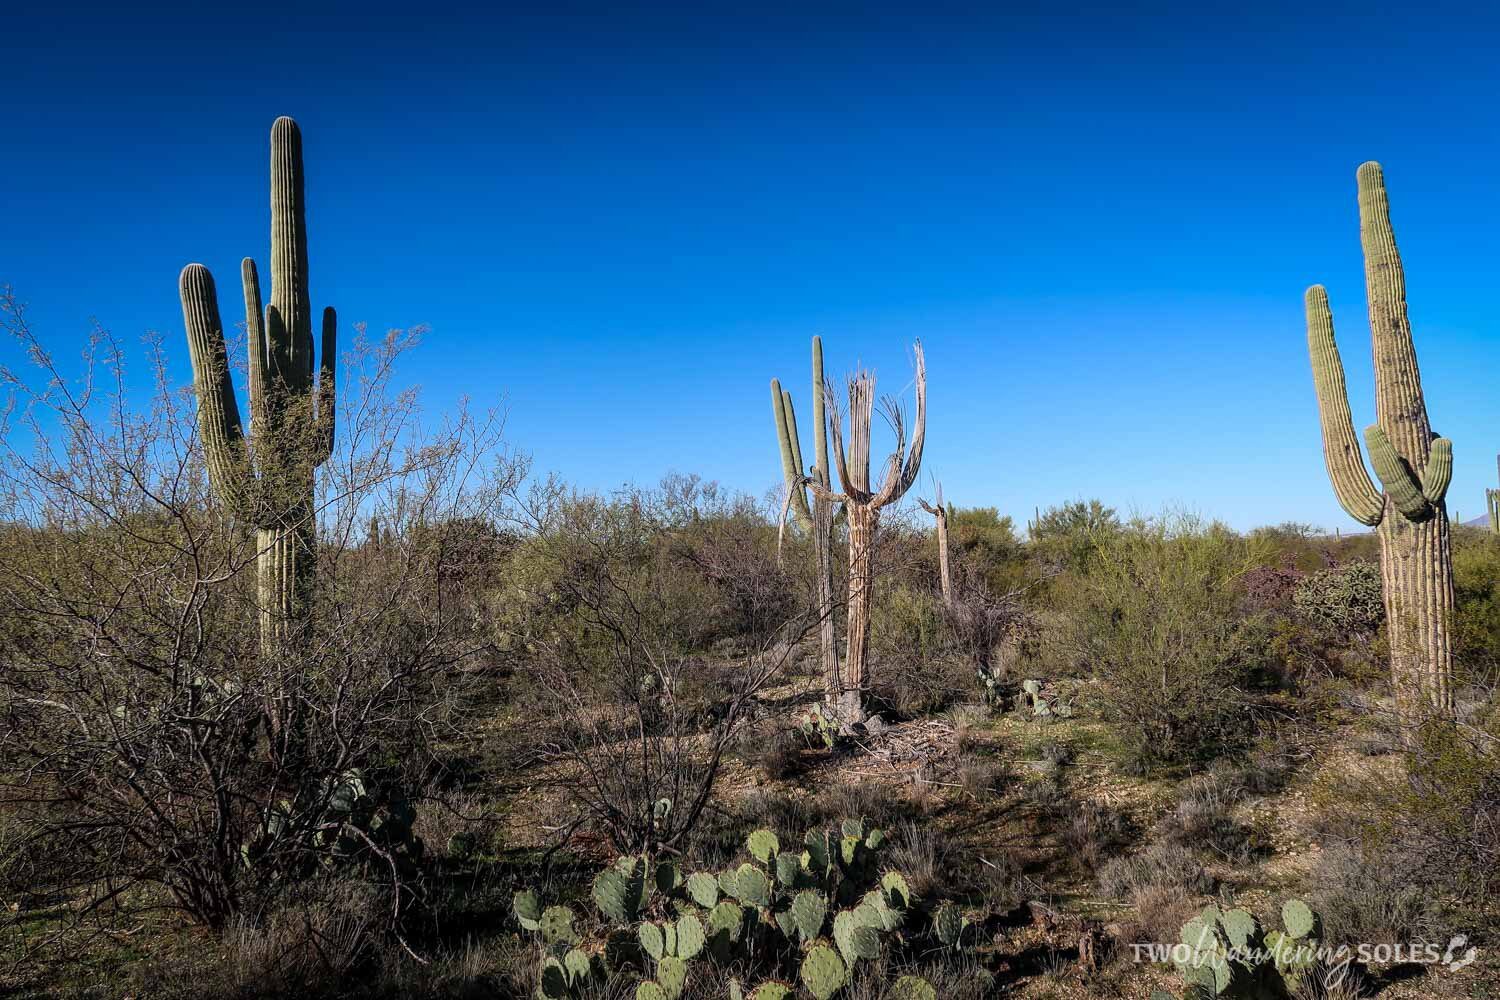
267,480
1413,465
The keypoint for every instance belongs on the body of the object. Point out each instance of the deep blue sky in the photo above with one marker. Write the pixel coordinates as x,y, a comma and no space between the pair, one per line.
624,221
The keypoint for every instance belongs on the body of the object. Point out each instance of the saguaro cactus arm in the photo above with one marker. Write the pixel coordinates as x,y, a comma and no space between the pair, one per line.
1438,473
1401,484
791,453
1400,406
820,420
1346,468
900,475
218,411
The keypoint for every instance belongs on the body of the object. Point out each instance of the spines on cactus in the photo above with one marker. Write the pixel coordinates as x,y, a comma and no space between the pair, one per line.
268,482
1413,465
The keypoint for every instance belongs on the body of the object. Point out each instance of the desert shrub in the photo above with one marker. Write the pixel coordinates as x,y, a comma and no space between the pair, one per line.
1160,865
1155,619
982,777
986,549
780,755
1372,900
1476,619
906,626
642,721
1095,831
1345,601
153,754
1432,818
1200,820
1066,537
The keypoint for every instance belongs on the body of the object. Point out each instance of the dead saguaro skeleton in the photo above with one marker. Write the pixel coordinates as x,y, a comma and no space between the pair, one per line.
862,505
940,513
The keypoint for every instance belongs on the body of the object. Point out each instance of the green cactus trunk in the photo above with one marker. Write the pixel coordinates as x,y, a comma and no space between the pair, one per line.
268,481
1410,515
815,518
1492,505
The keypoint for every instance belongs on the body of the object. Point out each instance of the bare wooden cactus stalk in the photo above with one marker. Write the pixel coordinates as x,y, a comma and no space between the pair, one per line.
1414,466
940,514
268,481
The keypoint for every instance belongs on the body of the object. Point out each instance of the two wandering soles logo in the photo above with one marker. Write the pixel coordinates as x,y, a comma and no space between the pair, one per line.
1205,960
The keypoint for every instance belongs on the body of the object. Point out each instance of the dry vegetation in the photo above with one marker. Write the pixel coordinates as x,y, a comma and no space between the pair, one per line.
538,680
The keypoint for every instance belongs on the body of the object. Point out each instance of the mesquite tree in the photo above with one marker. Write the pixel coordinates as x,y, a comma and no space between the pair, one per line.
1414,466
862,505
815,518
940,514
268,480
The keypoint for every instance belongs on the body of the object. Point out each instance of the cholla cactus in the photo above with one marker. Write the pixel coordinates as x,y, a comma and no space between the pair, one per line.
268,480
1413,465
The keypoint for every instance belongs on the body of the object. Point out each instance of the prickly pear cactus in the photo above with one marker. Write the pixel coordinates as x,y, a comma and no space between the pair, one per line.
823,972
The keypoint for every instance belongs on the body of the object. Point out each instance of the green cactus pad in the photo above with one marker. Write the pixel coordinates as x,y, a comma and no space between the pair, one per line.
668,878
853,828
897,891
762,845
653,942
703,889
577,964
1240,927
751,886
671,973
912,988
726,883
874,839
614,896
849,850
554,984
823,972
854,939
809,909
726,918
772,991
816,859
650,991
1298,918
556,925
948,924
690,936
528,909
1031,687
788,869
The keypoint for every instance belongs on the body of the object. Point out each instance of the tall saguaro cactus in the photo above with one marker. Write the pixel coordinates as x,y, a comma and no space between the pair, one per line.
267,480
862,505
1413,465
816,518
